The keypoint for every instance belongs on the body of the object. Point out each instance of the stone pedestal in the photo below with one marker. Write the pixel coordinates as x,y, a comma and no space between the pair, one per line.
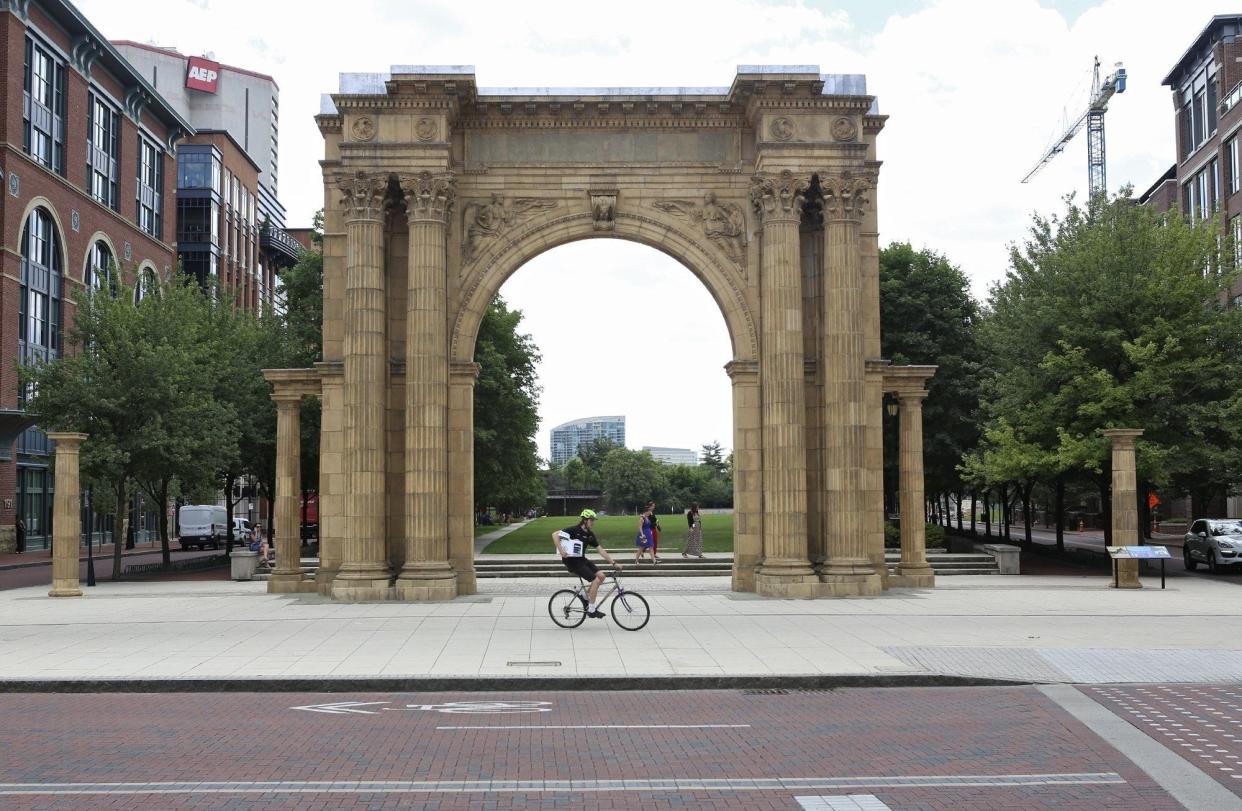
66,516
913,570
785,570
364,571
849,570
1125,503
426,573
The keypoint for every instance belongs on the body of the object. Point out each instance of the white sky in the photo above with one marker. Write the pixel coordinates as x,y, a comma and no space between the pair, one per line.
976,89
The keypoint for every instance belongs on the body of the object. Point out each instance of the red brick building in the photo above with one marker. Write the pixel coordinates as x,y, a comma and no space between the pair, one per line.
87,159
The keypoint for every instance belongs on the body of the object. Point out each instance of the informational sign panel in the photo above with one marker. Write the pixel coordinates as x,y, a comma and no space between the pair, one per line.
202,74
1142,552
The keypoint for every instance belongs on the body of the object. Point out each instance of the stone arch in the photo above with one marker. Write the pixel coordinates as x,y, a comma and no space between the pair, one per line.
483,277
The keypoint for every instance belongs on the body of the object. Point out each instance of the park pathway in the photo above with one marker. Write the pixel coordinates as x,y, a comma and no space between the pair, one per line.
481,542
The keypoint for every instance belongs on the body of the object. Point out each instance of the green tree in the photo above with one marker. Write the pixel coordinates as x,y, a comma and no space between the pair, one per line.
632,478
574,474
506,413
927,316
593,454
712,457
1112,316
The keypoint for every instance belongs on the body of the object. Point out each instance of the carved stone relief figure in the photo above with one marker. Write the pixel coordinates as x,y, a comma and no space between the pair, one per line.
604,210
723,223
486,221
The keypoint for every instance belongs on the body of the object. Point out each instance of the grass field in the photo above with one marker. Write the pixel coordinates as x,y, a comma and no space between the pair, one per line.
616,532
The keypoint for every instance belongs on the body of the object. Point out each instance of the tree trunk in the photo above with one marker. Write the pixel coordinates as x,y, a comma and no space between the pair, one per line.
1026,511
119,523
1106,506
1006,515
960,531
948,511
987,514
1060,509
162,500
1144,512
229,481
973,501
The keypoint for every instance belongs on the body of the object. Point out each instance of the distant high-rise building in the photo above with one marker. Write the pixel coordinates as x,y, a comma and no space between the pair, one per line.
673,456
567,437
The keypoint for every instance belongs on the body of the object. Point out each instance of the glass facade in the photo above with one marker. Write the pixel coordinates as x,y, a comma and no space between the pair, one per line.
566,438
103,152
43,107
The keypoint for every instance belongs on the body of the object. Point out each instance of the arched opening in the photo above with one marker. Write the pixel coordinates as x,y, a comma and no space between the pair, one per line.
626,331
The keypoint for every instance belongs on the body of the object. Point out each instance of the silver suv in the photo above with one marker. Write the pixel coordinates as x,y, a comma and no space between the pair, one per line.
1215,541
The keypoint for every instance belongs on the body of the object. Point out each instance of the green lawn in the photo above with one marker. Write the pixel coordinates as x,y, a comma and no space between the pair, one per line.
617,532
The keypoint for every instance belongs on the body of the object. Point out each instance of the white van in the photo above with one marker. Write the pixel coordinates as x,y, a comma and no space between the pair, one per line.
242,533
203,525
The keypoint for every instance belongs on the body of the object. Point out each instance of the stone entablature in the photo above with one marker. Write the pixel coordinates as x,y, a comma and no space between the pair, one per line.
438,190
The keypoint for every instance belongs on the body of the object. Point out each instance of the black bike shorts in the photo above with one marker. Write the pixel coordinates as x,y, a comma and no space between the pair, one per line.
581,567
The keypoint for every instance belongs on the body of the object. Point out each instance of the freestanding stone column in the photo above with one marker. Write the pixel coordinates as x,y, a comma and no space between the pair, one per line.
66,516
364,571
1125,502
849,570
747,473
426,573
785,571
287,576
913,570
462,377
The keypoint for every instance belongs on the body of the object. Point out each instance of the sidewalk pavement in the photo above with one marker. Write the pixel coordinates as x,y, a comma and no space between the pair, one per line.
481,541
1048,629
43,557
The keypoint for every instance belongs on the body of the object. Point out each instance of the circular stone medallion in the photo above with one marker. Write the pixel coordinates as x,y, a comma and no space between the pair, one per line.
843,129
363,129
782,129
425,129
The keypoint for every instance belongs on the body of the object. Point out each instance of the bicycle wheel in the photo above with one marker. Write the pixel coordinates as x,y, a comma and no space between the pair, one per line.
630,610
567,609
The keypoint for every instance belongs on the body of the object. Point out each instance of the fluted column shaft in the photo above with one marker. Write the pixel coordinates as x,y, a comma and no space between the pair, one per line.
427,573
287,576
748,532
66,516
910,455
462,377
848,569
1125,502
364,572
785,569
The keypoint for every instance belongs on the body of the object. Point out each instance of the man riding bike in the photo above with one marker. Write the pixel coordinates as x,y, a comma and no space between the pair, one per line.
571,544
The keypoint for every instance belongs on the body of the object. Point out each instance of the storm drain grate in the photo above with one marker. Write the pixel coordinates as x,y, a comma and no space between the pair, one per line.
784,691
534,664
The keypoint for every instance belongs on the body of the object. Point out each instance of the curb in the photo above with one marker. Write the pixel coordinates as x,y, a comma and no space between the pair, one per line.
465,684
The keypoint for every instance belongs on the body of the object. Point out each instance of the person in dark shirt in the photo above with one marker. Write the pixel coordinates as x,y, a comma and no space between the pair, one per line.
571,544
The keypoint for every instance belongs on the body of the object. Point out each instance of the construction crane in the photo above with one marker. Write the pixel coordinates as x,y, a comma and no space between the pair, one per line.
1093,120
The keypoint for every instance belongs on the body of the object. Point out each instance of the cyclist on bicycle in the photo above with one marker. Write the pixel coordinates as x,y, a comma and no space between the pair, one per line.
571,544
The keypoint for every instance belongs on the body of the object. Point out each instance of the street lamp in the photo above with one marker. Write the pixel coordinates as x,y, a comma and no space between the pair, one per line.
890,404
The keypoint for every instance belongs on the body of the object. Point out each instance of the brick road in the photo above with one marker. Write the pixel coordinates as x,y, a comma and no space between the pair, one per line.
42,574
930,748
1202,723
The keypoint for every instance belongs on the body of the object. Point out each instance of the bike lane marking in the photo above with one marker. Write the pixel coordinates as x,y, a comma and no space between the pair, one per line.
605,726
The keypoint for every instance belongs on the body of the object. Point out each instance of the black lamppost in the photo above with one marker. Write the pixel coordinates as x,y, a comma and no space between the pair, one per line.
90,541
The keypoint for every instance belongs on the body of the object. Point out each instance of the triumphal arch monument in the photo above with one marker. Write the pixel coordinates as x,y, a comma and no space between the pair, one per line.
437,190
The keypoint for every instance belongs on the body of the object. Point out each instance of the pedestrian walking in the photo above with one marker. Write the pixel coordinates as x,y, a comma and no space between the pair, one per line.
694,542
643,540
21,535
655,532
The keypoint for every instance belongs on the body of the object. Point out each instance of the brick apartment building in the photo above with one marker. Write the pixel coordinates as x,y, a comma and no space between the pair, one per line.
87,159
1206,179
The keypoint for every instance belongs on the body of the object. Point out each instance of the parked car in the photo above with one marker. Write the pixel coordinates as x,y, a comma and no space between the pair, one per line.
242,533
202,525
1215,541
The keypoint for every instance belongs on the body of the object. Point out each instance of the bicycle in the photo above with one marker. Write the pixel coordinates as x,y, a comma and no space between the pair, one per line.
629,609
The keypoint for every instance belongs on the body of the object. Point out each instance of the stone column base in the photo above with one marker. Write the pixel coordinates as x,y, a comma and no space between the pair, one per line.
289,584
60,591
789,586
426,589
1127,574
323,581
918,576
850,585
466,583
360,590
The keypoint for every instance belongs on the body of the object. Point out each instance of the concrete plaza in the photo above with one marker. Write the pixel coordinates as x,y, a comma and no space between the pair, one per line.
1043,629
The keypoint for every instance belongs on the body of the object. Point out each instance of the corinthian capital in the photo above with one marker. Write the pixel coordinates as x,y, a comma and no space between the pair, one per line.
778,197
362,194
428,196
847,195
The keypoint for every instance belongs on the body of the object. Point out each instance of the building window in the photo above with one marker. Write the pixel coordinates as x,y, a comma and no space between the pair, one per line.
39,337
198,220
145,285
150,182
1213,185
1231,163
99,269
1210,106
43,107
103,152
1235,231
198,170
1198,118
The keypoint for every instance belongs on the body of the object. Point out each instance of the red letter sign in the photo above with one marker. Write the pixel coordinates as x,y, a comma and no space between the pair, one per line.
202,74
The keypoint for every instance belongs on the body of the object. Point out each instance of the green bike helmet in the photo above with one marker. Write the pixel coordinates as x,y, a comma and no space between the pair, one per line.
585,514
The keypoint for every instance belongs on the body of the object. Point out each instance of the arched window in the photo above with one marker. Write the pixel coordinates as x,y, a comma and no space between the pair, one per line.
99,267
39,331
146,284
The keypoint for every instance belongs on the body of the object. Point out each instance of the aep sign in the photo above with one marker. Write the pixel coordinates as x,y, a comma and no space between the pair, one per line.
202,74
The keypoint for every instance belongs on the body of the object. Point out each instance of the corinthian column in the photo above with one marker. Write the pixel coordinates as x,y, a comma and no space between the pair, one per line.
848,570
427,574
364,572
785,571
913,570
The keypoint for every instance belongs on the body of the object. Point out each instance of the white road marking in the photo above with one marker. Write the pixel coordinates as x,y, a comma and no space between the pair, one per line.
565,786
842,802
341,707
608,726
